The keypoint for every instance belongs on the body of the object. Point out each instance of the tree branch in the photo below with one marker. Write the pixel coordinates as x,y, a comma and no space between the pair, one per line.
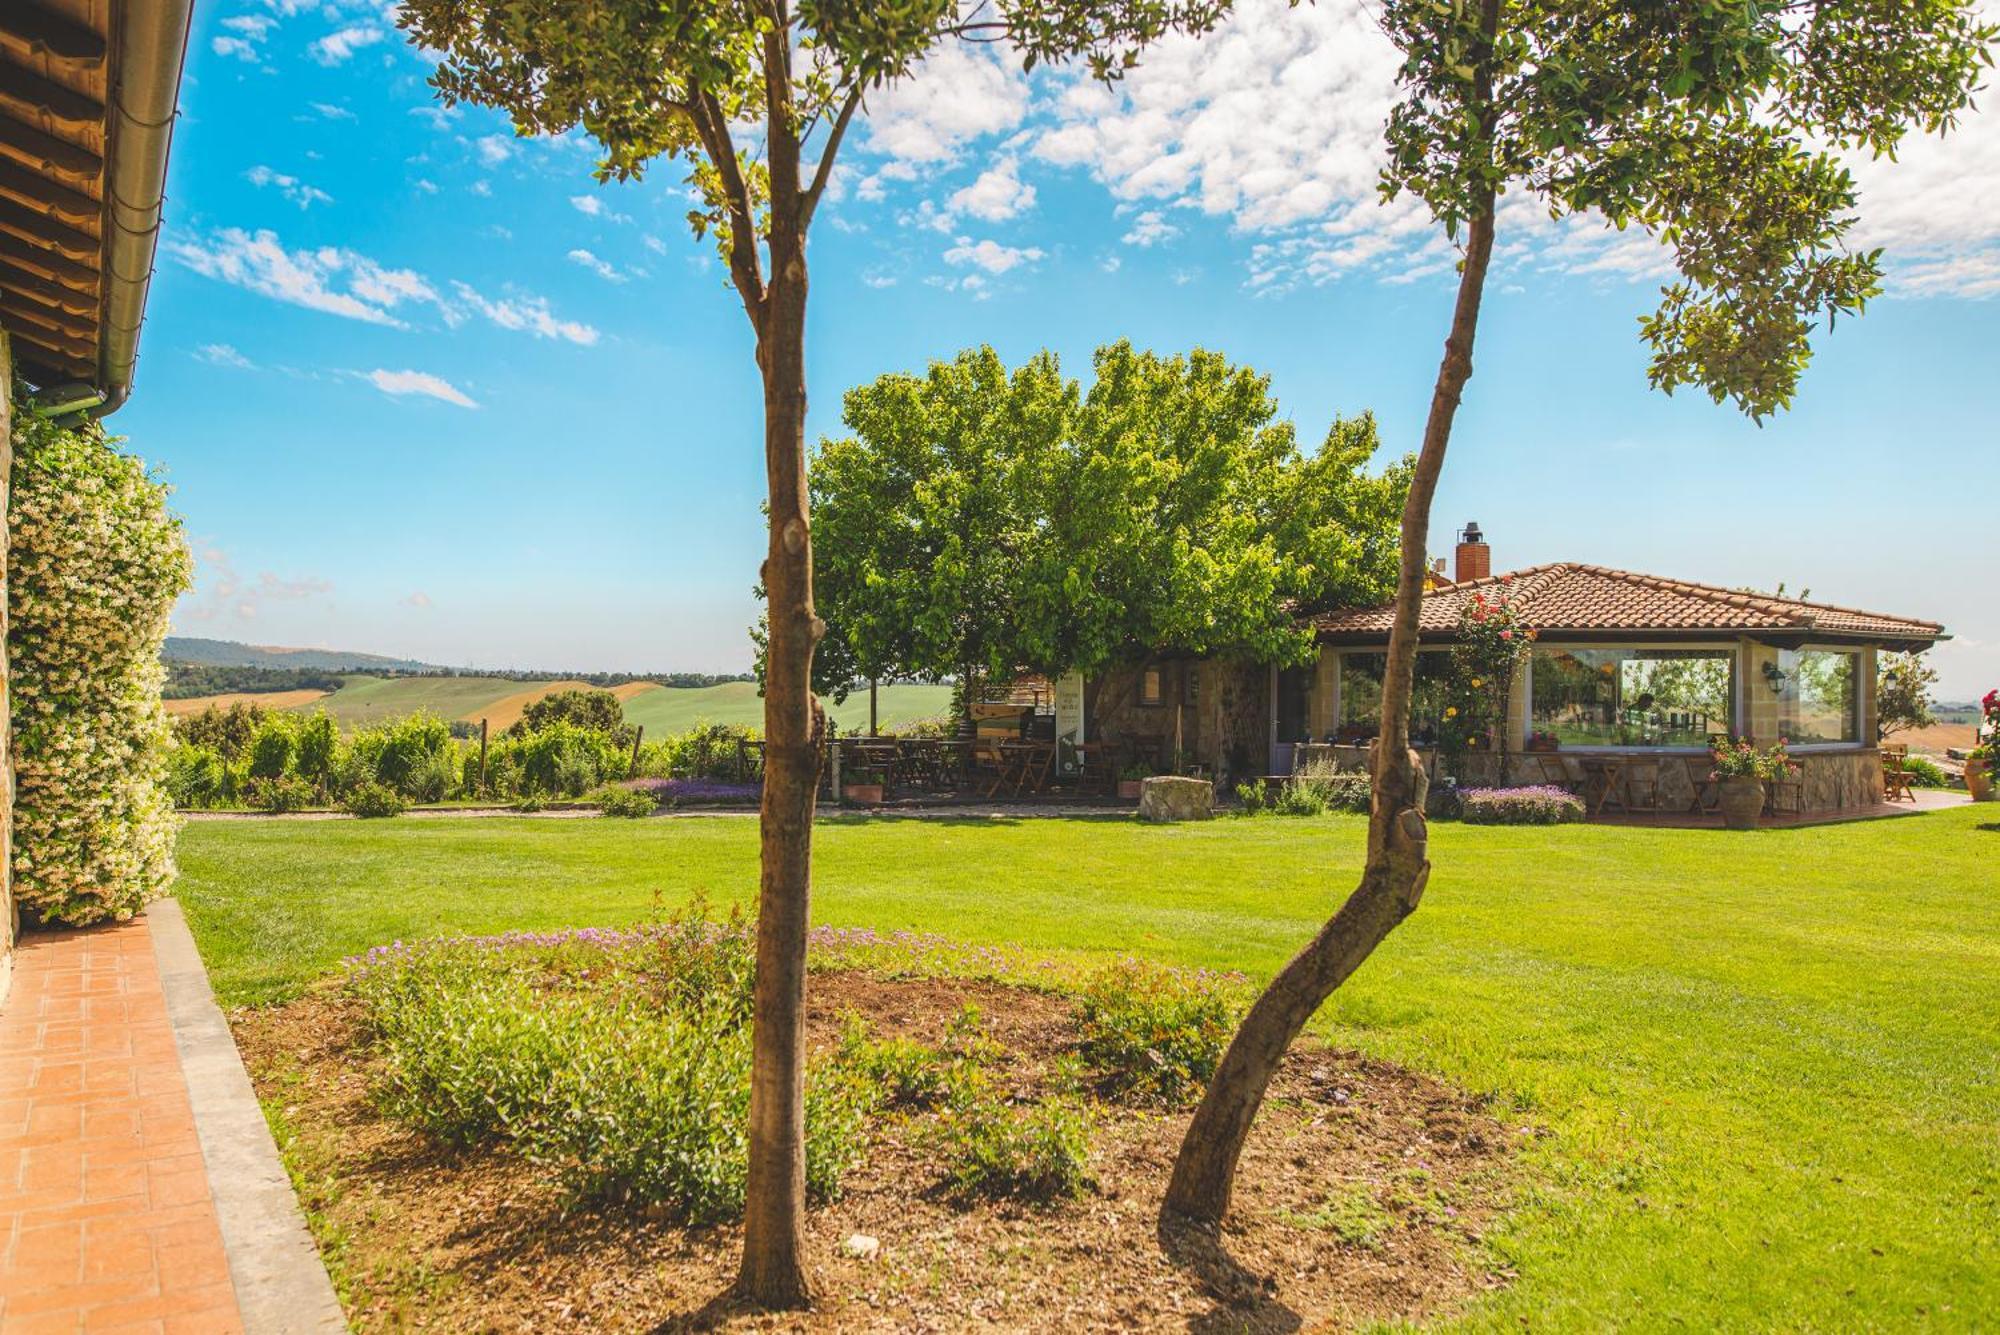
712,124
825,170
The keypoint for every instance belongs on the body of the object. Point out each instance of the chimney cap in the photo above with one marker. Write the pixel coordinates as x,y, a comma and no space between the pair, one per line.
1471,533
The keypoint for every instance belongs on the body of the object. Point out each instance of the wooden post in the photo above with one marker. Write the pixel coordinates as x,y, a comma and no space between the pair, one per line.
639,736
833,764
482,757
871,708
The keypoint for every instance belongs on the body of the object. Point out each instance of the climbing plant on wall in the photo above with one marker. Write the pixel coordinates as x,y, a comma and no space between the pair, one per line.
1493,639
94,564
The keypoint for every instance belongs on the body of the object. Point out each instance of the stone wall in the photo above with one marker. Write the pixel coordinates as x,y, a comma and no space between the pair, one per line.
1224,723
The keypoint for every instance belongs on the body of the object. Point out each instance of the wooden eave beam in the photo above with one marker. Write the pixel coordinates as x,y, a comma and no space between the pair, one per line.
45,151
44,34
83,351
67,307
15,309
16,279
25,88
46,231
46,194
37,260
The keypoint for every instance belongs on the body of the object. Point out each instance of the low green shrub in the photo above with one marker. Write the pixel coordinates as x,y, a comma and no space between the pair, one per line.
1255,797
1039,1152
201,776
628,803
1925,773
906,1073
372,801
281,794
1540,804
1152,1034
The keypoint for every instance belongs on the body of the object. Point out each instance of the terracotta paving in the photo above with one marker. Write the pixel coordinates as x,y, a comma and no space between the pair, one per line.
106,1219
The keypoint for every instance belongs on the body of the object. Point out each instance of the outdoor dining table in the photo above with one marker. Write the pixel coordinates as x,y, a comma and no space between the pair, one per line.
1025,766
1607,773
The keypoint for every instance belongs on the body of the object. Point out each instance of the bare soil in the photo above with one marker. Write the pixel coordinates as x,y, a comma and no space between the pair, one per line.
1363,1197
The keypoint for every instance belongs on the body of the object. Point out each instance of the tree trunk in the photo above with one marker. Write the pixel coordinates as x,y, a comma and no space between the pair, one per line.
1392,881
773,1275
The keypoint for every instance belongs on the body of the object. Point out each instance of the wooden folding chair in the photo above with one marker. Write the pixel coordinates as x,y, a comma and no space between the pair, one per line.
1898,783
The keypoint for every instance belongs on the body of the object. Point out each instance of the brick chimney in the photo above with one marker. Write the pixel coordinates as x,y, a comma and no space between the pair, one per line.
1474,557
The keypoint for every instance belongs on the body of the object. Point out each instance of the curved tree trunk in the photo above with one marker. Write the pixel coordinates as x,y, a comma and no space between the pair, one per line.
1393,878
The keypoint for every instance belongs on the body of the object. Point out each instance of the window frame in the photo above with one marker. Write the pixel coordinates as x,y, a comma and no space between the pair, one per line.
1736,685
1152,687
1857,715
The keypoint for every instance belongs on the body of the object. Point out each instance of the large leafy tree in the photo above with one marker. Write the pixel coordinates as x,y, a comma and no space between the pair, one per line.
694,80
980,520
1716,126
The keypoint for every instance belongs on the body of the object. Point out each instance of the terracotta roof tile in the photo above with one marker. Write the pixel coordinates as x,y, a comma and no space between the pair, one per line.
1568,596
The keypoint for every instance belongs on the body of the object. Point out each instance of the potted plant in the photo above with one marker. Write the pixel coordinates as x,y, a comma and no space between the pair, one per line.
1131,779
1979,762
1542,740
1740,772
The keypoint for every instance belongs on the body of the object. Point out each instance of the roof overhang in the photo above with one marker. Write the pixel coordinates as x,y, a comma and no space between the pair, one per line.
1642,635
88,90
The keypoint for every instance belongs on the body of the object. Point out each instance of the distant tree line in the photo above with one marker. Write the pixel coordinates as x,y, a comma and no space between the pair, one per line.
187,681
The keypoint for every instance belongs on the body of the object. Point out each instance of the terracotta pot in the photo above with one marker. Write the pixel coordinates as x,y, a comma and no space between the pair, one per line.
1979,779
1741,802
1129,789
867,794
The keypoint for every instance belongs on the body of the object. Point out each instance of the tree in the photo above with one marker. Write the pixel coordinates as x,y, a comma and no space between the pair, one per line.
683,79
1711,124
593,710
980,520
1903,694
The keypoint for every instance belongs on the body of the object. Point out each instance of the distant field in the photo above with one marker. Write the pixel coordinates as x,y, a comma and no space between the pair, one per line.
1934,739
667,709
365,701
268,699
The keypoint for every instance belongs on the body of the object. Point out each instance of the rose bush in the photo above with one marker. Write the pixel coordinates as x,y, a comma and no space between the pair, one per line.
94,564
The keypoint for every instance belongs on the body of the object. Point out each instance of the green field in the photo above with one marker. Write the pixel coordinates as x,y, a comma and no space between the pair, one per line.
1767,1065
665,710
366,700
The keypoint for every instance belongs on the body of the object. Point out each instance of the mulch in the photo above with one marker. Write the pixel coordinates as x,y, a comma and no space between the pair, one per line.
418,1235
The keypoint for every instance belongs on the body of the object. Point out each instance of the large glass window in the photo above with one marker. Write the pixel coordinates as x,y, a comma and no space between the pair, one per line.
1361,696
1819,696
1633,697
1295,703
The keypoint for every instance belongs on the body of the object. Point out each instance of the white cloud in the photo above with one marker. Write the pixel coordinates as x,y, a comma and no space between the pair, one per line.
990,255
330,279
962,92
236,48
530,314
336,47
597,266
438,117
998,194
654,244
593,206
220,594
222,354
494,149
420,382
246,34
419,599
255,27
1150,228
332,112
291,187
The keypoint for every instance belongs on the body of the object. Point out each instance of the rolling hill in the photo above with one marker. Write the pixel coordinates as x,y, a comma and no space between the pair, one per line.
676,709
231,653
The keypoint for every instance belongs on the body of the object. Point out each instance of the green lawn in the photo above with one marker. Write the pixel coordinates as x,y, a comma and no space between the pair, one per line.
1768,1064
676,709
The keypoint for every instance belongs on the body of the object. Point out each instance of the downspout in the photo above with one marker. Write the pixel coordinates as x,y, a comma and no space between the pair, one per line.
151,43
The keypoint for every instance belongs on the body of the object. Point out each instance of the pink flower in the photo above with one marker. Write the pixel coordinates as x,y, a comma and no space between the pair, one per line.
1506,634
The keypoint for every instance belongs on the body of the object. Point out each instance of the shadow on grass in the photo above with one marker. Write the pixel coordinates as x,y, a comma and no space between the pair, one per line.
991,817
1245,1300
1990,826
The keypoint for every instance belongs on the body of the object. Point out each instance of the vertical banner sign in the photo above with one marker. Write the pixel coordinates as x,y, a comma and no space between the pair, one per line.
1069,707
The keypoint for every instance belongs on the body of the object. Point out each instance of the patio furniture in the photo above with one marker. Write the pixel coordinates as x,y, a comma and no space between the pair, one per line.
1898,782
1641,777
1098,767
986,767
1552,770
1025,766
1785,795
1605,775
1701,778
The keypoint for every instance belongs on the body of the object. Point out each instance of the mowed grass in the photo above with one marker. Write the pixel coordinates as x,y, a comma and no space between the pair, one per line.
666,709
1766,1066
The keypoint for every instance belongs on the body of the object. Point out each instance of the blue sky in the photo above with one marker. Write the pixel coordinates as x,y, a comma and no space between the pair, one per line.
427,389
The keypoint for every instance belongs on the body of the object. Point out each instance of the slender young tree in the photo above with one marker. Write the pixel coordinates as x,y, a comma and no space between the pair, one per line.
1712,124
695,80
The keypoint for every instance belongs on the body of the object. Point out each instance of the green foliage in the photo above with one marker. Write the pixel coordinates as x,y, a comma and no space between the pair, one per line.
906,1073
562,760
1152,1034
94,564
1903,684
1313,791
629,1094
1351,1214
1539,804
273,747
372,801
416,756
1925,773
628,803
589,711
1737,758
226,731
1037,1152
200,776
188,681
979,519
1716,127
316,749
1493,641
278,793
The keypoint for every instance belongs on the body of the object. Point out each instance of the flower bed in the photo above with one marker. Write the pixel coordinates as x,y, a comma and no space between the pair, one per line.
1538,804
698,792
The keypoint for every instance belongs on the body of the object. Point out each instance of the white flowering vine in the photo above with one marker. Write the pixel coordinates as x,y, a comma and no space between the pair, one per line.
94,564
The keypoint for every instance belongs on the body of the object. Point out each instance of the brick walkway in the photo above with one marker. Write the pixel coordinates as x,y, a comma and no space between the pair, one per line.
106,1218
